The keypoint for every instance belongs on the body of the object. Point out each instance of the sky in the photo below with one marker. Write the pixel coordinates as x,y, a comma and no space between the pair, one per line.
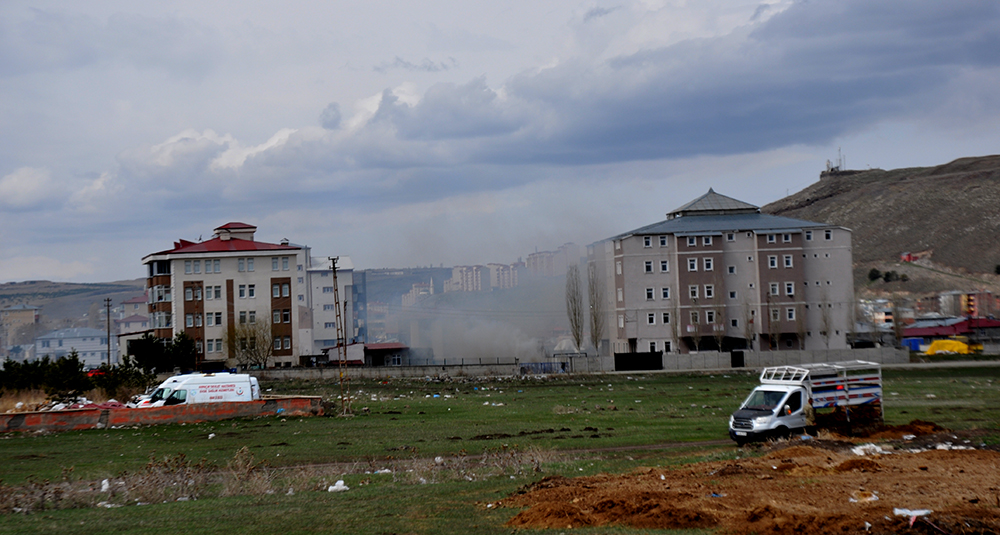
408,134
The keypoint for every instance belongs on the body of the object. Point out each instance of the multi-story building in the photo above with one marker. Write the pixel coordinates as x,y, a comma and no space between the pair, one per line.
206,289
719,275
91,345
553,263
13,319
322,309
468,279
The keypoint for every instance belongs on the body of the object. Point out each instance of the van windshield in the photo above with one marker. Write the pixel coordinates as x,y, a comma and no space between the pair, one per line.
763,400
159,393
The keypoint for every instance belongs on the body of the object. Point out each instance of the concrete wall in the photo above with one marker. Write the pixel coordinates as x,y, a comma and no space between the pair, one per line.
78,419
753,359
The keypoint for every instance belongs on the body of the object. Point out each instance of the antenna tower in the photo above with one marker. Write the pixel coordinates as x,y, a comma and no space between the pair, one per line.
345,381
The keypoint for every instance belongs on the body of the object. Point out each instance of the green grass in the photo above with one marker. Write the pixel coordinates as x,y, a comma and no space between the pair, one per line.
403,427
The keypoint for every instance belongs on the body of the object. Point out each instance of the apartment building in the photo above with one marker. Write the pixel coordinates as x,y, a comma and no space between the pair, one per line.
717,274
91,346
206,288
321,308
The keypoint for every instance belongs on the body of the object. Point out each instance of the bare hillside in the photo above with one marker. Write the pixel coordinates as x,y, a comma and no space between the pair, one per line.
949,214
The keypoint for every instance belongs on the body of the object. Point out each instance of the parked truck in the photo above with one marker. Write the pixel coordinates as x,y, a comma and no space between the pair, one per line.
204,388
780,404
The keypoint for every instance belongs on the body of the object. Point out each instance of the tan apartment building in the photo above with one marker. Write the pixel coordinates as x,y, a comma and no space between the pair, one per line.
208,287
717,274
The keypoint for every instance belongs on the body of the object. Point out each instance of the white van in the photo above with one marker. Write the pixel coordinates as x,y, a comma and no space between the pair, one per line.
204,388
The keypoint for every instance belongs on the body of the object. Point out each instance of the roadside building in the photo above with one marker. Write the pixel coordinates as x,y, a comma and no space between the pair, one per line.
91,345
13,320
207,288
717,274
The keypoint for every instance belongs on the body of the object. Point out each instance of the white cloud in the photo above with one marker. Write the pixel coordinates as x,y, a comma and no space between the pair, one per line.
29,187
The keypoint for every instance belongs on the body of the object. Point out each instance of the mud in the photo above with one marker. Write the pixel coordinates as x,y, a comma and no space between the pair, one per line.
796,486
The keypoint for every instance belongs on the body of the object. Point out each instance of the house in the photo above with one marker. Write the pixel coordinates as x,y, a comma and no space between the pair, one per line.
717,274
206,289
91,345
13,319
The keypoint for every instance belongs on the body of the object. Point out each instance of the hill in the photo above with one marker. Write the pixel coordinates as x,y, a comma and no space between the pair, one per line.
946,215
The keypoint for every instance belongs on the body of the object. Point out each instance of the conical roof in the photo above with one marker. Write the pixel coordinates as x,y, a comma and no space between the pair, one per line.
714,203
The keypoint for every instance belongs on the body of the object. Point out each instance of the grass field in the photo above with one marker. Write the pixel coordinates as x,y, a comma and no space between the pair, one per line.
492,437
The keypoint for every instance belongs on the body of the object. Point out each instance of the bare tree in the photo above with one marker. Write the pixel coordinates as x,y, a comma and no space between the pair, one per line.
695,318
748,321
898,328
595,292
250,344
800,324
675,325
574,304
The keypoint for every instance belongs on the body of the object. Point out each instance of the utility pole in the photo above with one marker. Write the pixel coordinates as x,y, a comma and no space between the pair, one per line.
107,306
345,397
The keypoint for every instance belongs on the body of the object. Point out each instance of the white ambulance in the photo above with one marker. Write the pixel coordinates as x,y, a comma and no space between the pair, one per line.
204,388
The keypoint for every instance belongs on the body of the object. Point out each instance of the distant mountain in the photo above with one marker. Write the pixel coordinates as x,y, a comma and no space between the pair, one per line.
67,302
948,216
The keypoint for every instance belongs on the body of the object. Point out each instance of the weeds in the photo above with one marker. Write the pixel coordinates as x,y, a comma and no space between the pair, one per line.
173,478
246,476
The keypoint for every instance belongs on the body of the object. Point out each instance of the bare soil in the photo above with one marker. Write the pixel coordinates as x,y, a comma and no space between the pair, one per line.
796,486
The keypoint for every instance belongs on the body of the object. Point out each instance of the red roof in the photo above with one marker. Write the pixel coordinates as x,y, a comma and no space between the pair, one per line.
218,245
235,225
386,345
137,299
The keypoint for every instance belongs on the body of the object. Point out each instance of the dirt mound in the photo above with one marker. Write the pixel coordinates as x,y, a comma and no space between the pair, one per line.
799,489
915,428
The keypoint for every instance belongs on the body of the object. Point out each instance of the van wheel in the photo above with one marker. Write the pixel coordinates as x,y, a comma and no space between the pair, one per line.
741,443
781,432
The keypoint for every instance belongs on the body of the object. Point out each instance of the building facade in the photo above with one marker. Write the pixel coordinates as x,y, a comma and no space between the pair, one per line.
91,345
719,275
206,289
320,307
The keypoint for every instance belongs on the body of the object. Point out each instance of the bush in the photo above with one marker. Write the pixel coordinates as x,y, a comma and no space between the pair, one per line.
60,378
874,275
123,381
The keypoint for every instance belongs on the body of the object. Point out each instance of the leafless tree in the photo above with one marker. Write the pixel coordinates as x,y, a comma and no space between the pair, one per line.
748,320
695,318
719,326
251,344
826,322
574,304
675,324
897,321
800,324
595,292
773,326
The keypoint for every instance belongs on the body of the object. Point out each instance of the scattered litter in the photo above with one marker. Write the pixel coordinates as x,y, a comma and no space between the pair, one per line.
867,449
805,437
717,495
105,505
105,485
383,471
439,460
863,496
339,486
931,396
290,492
911,514
211,436
663,477
909,437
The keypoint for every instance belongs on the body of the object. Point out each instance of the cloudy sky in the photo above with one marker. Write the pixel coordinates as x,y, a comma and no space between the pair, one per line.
455,132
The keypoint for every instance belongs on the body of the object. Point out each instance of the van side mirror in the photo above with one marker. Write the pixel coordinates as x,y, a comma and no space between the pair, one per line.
788,410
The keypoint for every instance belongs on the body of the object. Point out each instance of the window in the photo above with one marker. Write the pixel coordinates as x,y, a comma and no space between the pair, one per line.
788,260
734,323
274,264
772,261
665,293
827,234
693,291
665,318
771,238
252,291
218,266
651,319
647,241
708,264
620,296
692,241
692,264
298,267
284,263
709,291
694,317
732,294
774,289
218,318
187,267
666,346
249,264
786,238
210,319
287,342
664,266
809,235
300,280
276,316
197,293
789,288
652,347
188,294
618,268
731,270
649,266
252,317
218,292
618,245
328,289
706,240
241,265
790,314
197,346
243,291
197,320
277,342
189,320
663,241
286,316
775,314
197,266
243,317
210,345
330,325
275,290
286,290
731,236
709,316
649,294
329,307
621,321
